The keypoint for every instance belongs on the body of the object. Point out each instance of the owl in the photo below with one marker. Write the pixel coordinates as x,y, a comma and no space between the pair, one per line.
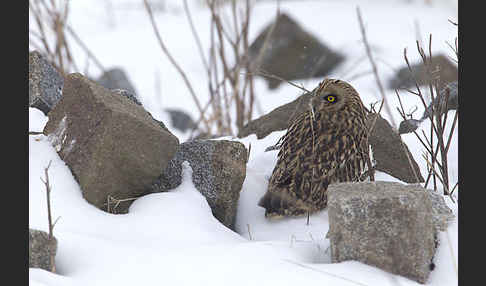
325,144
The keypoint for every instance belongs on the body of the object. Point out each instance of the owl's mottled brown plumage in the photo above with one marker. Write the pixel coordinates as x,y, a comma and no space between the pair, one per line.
326,144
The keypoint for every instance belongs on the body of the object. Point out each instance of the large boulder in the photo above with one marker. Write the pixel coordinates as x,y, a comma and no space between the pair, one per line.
291,52
386,224
45,83
442,68
219,169
41,250
390,153
113,146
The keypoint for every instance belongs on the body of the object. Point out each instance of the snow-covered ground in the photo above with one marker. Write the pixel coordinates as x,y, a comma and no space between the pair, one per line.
172,238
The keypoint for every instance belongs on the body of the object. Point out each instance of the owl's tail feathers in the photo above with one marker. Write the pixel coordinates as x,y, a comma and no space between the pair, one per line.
278,204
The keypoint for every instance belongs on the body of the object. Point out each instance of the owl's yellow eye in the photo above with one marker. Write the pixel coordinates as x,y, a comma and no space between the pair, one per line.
331,98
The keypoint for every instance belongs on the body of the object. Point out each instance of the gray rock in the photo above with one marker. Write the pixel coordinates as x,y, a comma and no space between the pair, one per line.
443,68
442,214
45,83
278,119
202,135
113,147
40,250
180,120
408,126
291,53
133,97
219,169
128,94
390,153
439,102
116,78
385,224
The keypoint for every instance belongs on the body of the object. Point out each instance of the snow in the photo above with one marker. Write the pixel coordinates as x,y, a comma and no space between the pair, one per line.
172,238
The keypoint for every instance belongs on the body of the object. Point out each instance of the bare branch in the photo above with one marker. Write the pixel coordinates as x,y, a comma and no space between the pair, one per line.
269,75
49,216
174,63
195,35
374,67
85,48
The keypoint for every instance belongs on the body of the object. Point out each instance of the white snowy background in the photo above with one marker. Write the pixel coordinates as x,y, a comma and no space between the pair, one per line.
172,238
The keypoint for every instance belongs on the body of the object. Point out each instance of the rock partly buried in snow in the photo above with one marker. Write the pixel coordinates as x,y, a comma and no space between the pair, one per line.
291,52
114,147
278,119
442,214
386,224
41,248
390,153
116,78
442,67
45,83
219,169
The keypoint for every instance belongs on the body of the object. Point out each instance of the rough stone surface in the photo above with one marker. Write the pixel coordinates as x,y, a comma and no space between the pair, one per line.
180,120
277,119
390,153
41,249
116,78
128,94
113,147
291,53
442,214
45,83
202,135
219,169
447,72
385,224
134,99
408,126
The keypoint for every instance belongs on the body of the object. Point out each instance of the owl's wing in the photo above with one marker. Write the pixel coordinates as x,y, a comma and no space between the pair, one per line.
283,197
343,155
291,130
291,148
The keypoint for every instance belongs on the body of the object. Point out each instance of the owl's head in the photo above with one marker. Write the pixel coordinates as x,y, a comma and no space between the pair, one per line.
333,95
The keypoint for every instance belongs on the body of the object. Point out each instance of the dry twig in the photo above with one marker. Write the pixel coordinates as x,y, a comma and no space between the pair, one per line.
174,63
49,216
436,152
374,68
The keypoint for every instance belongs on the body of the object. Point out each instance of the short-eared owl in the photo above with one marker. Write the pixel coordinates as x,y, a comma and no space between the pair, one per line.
327,143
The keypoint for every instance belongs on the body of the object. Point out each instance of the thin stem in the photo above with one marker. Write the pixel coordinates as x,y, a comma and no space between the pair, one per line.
374,67
174,63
